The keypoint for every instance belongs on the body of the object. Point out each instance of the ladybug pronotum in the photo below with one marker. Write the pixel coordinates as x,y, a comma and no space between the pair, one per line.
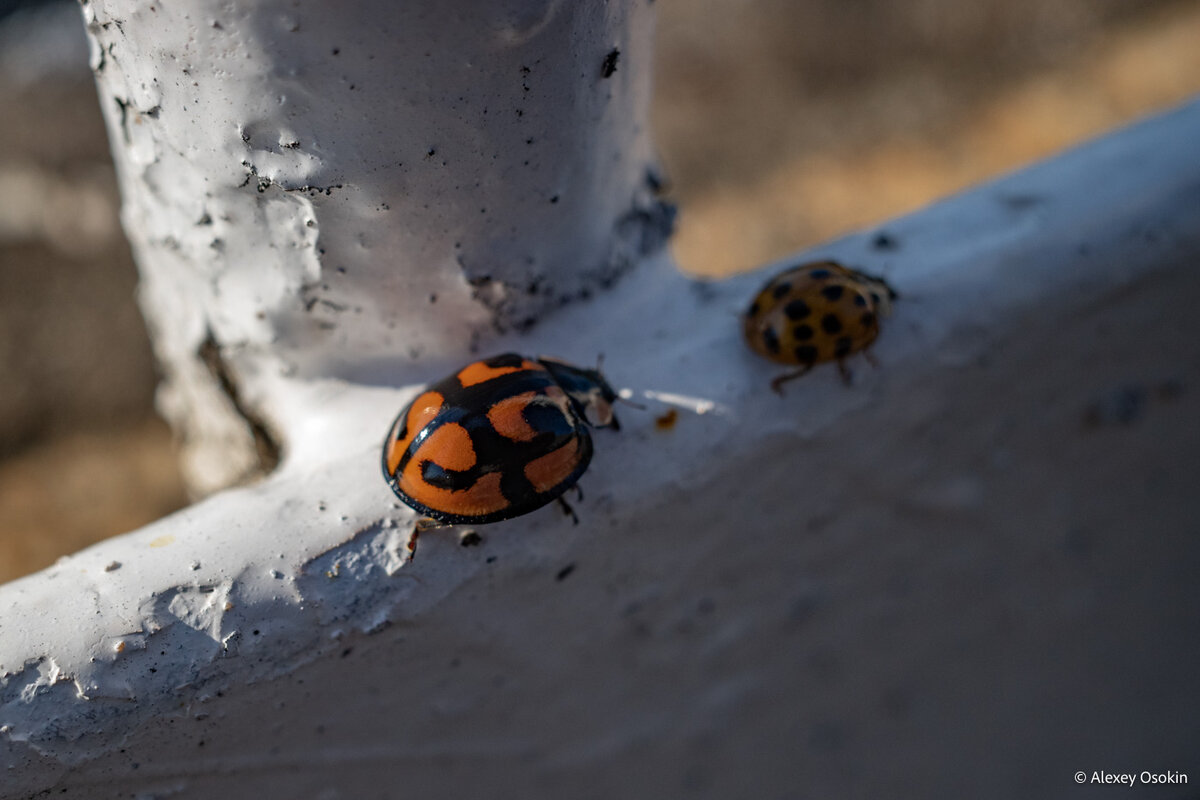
497,439
816,312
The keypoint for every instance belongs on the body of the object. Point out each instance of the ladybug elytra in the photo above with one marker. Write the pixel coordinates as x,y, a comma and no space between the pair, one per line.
497,439
816,312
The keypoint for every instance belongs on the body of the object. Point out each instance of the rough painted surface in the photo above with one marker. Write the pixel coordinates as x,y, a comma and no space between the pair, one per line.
311,196
970,574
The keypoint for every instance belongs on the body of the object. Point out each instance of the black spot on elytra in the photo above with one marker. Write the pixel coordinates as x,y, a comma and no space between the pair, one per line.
547,418
831,324
803,332
780,290
875,298
805,354
833,292
797,309
867,319
842,348
860,300
770,340
436,475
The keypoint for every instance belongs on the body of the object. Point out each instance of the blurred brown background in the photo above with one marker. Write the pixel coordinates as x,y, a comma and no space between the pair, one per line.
781,123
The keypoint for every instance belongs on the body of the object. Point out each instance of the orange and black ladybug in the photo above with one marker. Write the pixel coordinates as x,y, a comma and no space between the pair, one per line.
497,439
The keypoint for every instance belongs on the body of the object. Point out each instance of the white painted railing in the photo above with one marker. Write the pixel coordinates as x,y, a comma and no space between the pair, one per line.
972,573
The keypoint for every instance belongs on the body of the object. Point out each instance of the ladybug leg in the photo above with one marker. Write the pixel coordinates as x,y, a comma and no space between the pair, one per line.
566,507
578,493
420,526
777,384
847,375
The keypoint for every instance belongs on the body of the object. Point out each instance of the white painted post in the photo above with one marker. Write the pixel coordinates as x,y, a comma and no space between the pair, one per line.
363,191
970,574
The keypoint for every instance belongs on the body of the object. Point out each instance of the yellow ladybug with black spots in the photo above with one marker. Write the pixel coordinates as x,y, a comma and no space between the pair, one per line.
816,312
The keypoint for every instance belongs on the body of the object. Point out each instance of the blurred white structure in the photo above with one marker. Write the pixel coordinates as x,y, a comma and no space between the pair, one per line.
366,192
970,574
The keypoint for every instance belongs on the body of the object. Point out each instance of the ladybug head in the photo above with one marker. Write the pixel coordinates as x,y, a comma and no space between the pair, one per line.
589,392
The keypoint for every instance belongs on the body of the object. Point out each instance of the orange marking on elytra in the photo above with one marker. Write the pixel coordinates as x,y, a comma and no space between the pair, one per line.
484,497
423,409
480,372
507,419
546,472
449,446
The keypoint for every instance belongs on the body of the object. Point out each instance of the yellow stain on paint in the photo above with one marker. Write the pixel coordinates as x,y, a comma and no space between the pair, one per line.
162,541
